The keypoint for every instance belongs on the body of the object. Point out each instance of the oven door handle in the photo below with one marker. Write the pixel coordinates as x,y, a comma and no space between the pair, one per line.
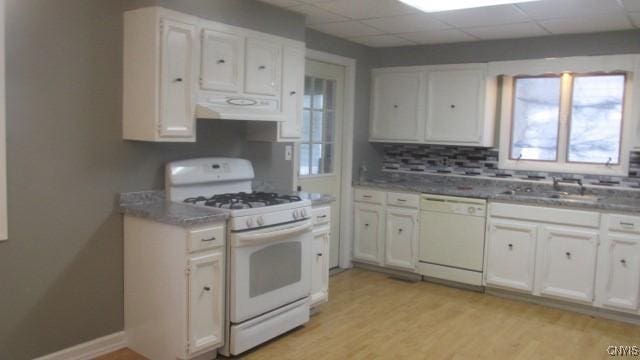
277,233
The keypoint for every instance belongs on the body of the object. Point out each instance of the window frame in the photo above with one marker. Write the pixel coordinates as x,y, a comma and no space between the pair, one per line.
323,141
561,164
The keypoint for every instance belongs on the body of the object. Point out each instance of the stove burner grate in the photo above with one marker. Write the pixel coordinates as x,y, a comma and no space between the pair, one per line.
243,200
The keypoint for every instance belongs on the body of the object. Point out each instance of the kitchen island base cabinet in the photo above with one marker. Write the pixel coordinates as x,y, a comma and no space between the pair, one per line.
173,289
511,250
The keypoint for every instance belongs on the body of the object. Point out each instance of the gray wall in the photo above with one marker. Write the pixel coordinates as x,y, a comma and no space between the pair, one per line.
61,270
617,42
363,150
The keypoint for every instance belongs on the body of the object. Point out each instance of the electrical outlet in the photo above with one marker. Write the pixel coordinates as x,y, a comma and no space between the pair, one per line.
288,152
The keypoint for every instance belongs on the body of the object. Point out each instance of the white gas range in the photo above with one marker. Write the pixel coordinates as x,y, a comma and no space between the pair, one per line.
268,253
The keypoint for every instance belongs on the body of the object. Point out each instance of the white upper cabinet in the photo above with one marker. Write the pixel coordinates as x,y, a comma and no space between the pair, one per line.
292,93
263,65
396,107
568,263
221,65
178,68
441,104
160,75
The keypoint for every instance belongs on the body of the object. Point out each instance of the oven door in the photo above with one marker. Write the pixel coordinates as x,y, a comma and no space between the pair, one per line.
270,267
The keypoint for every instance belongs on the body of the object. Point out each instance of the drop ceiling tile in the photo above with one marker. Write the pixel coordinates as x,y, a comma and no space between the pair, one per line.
631,5
382,41
483,16
507,31
282,3
315,15
365,9
437,36
609,22
406,23
549,9
635,17
346,29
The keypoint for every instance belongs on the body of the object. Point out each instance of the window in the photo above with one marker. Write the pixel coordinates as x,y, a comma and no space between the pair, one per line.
566,123
316,147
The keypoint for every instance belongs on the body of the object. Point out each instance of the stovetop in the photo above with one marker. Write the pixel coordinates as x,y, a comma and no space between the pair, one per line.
243,200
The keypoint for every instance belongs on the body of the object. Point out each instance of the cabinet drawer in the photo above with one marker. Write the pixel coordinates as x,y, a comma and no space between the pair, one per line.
624,223
205,238
321,215
371,196
404,200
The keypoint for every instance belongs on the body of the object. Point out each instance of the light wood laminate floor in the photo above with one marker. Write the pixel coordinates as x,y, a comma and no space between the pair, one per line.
371,316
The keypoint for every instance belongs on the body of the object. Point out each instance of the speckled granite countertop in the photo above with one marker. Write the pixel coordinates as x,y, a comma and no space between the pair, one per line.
537,193
153,205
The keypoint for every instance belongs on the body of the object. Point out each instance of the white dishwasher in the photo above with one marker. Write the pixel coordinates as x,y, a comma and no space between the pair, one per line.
452,238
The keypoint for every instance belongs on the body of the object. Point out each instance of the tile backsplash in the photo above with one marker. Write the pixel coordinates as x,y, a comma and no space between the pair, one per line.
483,162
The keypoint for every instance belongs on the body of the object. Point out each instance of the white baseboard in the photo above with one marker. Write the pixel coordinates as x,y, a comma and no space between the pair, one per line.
90,349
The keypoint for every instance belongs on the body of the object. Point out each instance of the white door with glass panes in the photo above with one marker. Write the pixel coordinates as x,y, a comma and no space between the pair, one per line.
319,152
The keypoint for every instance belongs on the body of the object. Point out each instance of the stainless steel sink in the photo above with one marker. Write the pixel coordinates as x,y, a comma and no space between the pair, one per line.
553,195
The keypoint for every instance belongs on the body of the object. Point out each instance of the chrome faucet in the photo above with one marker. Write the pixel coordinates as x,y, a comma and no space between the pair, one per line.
557,181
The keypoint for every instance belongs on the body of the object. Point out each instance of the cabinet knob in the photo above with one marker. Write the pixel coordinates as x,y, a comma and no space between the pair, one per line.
221,61
623,261
292,93
395,106
510,246
399,230
319,254
261,67
206,288
177,80
568,254
453,106
366,225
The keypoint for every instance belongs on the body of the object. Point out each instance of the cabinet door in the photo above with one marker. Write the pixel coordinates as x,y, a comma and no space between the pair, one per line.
368,232
396,111
206,302
320,268
511,250
621,266
263,62
568,263
454,106
177,99
401,240
292,93
221,61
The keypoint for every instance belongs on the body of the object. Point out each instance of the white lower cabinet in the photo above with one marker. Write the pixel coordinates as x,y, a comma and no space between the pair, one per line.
174,289
320,259
568,263
368,232
511,251
401,240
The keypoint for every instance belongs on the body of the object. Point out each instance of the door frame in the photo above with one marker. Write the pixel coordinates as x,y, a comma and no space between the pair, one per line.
346,213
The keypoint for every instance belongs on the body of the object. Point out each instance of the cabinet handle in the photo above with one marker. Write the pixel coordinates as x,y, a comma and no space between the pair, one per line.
568,255
221,61
319,254
401,200
510,246
366,225
321,216
177,80
292,93
261,67
206,288
623,261
627,225
209,239
366,196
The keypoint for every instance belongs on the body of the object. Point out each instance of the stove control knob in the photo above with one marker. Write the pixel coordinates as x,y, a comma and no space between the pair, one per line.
303,213
295,214
250,222
260,220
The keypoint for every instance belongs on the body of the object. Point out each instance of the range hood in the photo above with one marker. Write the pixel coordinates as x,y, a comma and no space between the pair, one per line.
238,107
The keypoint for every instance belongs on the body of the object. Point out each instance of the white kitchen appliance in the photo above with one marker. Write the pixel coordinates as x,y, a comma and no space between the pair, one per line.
452,238
268,253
